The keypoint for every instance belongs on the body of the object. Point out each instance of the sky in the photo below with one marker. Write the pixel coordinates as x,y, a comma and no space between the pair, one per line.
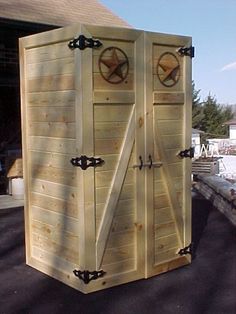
210,23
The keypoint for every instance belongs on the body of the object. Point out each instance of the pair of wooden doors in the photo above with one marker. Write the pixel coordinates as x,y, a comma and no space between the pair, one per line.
122,96
136,117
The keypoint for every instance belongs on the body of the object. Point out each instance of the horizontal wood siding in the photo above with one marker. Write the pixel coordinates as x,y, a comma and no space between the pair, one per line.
51,145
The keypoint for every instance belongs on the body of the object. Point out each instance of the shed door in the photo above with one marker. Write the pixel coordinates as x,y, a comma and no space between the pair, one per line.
168,131
113,129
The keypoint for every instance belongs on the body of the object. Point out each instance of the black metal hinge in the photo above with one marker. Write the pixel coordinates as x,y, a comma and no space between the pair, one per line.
86,276
187,153
83,42
186,250
187,51
85,162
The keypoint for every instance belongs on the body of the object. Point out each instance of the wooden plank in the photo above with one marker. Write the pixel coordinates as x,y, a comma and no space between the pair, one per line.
48,144
162,215
107,130
52,98
172,141
114,97
53,174
168,112
60,114
167,255
49,52
101,83
161,201
51,233
51,83
104,178
55,248
51,159
60,206
125,266
163,244
113,113
56,190
167,128
108,146
118,254
166,229
52,67
59,221
52,129
116,186
168,98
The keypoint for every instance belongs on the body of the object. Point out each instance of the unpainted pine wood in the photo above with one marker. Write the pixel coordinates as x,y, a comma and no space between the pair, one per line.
60,206
164,244
51,52
113,97
52,98
104,178
168,98
59,250
51,83
56,190
167,255
54,114
100,83
53,129
169,112
116,187
52,67
162,215
56,175
117,239
124,207
124,266
118,254
51,159
167,128
55,145
126,46
105,69
164,229
105,130
112,113
54,234
59,221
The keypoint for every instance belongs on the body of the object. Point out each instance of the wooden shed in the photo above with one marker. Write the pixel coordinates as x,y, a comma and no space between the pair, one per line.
106,116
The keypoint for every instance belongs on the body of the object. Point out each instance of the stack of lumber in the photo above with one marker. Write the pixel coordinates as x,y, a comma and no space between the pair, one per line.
220,192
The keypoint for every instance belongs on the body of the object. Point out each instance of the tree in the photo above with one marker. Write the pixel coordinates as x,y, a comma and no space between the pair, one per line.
197,109
214,116
208,115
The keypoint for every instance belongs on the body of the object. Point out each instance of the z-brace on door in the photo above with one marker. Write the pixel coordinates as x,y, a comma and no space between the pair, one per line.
112,127
168,131
136,116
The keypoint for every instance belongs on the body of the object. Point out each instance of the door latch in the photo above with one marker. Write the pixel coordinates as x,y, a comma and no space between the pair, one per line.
149,164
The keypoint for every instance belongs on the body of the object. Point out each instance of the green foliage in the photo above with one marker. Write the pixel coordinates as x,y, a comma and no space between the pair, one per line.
209,116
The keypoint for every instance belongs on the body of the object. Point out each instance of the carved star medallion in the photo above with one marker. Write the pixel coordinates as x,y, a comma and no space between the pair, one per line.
113,65
168,69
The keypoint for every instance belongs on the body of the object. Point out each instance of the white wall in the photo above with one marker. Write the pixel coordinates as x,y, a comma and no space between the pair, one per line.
232,132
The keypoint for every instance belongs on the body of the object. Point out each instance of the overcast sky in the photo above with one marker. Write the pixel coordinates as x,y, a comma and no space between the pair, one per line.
212,25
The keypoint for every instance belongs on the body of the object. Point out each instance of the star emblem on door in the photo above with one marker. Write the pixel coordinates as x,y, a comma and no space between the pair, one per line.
168,69
113,65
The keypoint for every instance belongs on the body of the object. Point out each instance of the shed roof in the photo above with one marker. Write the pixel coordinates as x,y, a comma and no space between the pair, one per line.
60,12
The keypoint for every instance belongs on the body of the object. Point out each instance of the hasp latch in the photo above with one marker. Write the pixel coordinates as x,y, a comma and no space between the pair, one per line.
83,42
186,51
187,153
85,162
186,250
86,276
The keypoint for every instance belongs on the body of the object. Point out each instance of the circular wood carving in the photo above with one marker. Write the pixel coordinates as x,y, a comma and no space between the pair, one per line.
168,69
113,65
